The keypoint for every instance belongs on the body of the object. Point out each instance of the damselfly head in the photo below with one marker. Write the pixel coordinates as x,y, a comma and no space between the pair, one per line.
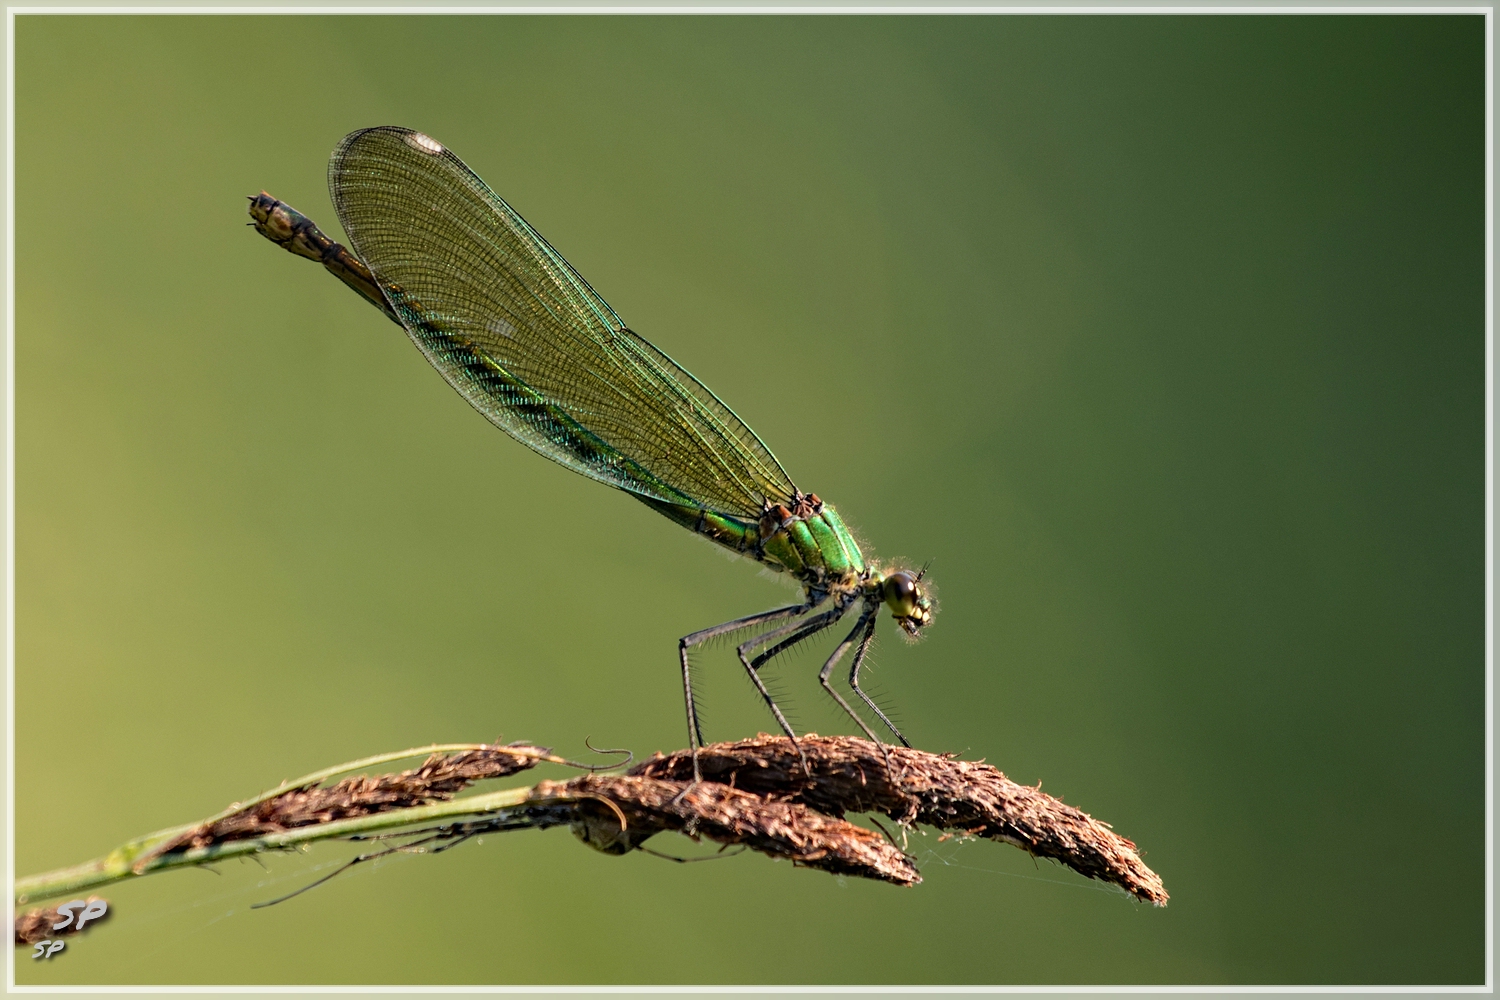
908,600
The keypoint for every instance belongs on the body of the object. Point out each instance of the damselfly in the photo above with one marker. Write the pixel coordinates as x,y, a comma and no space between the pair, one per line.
521,336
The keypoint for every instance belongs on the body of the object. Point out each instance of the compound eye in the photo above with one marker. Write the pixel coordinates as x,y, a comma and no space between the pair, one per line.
901,593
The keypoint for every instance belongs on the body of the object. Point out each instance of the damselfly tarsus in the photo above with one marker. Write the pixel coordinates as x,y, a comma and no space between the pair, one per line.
525,339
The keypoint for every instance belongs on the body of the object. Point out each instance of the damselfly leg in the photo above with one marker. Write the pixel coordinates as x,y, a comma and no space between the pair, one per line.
695,731
866,621
859,659
789,636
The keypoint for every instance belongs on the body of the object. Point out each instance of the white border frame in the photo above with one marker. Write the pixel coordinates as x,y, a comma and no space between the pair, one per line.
744,9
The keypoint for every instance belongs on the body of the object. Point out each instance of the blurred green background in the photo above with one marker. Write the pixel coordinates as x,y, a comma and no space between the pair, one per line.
1163,337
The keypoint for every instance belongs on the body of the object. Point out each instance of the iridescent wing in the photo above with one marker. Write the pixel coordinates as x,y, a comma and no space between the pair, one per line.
522,337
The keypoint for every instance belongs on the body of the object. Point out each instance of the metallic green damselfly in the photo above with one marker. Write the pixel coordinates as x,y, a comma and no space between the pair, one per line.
521,336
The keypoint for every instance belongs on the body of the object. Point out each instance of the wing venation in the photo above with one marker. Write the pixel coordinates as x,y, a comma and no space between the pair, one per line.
522,337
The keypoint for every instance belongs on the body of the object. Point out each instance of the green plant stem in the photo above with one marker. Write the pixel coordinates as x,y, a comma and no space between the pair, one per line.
117,865
120,863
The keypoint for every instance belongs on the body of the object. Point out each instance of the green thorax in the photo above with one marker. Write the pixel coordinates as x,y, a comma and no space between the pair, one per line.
808,540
